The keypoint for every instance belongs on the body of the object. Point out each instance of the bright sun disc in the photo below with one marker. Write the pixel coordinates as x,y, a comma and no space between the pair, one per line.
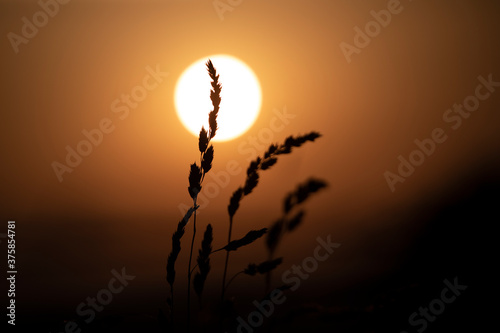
240,97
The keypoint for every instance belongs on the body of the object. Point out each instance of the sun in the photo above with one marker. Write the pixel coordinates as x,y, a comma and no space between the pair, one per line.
241,97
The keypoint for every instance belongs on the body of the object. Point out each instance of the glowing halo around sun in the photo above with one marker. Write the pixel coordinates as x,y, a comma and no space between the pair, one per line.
241,97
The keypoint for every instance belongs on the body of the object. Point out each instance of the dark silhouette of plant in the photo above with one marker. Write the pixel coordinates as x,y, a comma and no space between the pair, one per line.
287,223
196,176
250,237
172,257
260,163
203,262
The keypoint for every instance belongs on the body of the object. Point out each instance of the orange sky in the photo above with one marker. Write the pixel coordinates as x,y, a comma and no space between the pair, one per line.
122,201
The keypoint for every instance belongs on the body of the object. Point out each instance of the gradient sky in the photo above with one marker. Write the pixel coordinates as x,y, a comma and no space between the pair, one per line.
120,206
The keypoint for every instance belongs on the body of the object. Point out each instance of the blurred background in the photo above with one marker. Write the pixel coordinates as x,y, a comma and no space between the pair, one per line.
120,205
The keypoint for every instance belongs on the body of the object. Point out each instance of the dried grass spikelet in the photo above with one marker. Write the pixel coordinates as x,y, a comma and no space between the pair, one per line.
208,157
280,227
203,261
302,193
274,235
176,245
234,201
289,223
249,238
251,182
203,140
214,97
264,267
194,181
266,162
295,221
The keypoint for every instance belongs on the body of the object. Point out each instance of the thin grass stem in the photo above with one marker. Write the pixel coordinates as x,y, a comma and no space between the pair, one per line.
172,305
227,259
189,273
234,276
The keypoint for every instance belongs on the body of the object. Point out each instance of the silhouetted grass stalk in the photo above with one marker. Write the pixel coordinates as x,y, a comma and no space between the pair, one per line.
189,270
233,277
203,262
227,259
197,175
172,258
266,162
288,222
